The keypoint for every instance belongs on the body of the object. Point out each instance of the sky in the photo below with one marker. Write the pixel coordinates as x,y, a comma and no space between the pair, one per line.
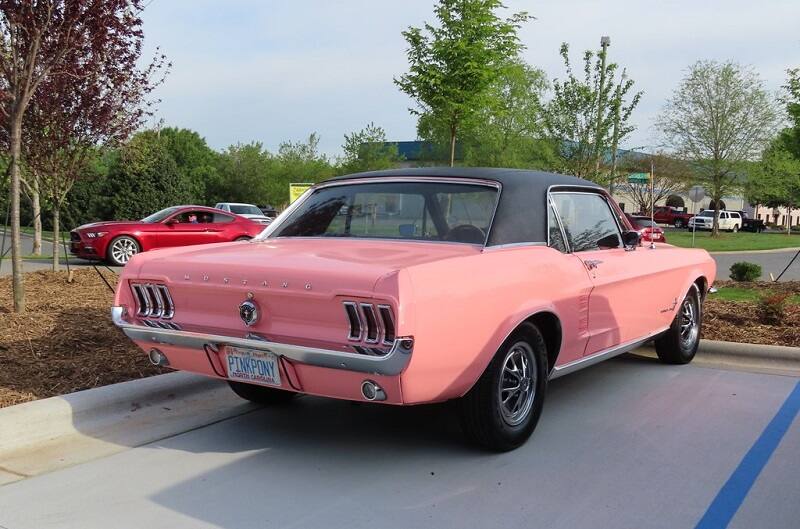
277,70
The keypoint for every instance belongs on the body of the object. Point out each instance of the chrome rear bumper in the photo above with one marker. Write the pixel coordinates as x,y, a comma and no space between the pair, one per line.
392,363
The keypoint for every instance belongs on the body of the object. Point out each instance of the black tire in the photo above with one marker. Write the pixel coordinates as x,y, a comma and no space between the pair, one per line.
679,223
678,344
735,228
242,238
485,420
261,394
121,249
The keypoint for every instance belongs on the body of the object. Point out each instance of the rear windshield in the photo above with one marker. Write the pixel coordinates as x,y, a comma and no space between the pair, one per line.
424,211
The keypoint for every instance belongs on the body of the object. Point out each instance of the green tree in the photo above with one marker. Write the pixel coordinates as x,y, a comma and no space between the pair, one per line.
590,116
509,131
241,175
792,102
453,65
144,178
719,117
367,150
296,162
196,161
775,182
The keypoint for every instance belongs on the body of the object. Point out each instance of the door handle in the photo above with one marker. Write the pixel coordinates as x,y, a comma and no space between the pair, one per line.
591,264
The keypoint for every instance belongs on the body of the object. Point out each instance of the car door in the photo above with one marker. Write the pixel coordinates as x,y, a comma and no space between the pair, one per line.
626,301
187,227
223,228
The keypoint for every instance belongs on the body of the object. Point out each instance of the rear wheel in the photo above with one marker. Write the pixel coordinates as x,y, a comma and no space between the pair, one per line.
261,394
501,411
679,343
735,228
121,249
243,238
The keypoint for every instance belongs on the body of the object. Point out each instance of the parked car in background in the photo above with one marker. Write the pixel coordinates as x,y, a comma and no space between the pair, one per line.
752,225
245,210
728,220
412,286
649,230
268,210
670,215
116,242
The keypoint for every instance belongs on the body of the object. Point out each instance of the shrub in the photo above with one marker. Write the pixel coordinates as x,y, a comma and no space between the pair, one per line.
744,271
771,307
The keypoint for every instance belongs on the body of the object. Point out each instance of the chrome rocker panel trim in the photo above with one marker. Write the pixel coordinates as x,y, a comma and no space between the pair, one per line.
391,364
598,357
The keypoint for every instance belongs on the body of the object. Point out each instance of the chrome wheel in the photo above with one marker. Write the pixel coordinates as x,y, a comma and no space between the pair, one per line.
517,384
123,249
689,322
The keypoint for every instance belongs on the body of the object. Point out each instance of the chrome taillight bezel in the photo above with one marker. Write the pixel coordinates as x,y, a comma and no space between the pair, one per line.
153,300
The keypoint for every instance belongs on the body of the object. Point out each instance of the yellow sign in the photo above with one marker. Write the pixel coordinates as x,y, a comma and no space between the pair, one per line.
295,190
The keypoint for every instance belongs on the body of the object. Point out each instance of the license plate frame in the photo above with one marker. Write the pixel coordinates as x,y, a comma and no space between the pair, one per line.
252,366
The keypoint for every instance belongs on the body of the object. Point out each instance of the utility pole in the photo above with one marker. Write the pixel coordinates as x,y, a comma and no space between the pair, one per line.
605,42
615,139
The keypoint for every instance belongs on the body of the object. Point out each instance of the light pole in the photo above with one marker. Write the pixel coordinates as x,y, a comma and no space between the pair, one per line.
605,42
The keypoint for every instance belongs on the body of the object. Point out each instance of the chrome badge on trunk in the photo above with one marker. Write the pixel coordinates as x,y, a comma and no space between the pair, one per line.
248,311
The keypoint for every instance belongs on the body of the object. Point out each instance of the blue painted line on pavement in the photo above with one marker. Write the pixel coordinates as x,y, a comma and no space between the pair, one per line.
733,492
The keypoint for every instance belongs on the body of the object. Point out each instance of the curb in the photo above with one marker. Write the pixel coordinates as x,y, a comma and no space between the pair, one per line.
759,358
52,433
745,252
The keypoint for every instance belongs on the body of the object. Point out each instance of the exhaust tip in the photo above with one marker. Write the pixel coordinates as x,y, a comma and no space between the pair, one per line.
157,358
371,391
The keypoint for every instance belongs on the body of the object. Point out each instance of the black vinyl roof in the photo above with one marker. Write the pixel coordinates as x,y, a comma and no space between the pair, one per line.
522,210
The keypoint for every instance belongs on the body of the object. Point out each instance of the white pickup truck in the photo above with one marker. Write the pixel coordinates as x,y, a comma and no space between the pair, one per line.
728,220
245,210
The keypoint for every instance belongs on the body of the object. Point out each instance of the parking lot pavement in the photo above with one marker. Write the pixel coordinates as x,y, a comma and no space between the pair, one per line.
627,443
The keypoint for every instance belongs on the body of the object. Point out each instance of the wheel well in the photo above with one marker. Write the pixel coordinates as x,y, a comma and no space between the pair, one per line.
702,284
550,327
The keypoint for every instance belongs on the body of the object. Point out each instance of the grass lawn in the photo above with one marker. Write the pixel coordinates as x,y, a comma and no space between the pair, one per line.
732,293
733,242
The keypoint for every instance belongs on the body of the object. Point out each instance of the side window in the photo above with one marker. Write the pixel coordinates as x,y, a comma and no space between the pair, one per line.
723,215
588,221
222,218
555,238
193,217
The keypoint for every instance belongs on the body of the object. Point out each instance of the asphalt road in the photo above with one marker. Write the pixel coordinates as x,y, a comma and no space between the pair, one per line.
627,443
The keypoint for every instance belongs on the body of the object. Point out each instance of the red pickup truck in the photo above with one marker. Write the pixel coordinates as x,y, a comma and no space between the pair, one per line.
672,216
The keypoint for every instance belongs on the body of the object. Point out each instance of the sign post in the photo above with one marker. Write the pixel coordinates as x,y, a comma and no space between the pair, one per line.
696,194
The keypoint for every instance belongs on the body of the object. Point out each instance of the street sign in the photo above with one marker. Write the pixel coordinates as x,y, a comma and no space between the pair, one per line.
697,193
639,178
295,190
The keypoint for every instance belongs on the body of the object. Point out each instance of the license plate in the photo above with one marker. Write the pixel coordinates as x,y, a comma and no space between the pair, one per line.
248,365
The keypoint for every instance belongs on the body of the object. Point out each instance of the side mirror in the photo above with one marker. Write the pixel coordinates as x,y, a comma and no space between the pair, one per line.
631,239
609,241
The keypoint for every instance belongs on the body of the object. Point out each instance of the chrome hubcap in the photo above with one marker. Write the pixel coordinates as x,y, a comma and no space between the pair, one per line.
123,249
689,323
517,384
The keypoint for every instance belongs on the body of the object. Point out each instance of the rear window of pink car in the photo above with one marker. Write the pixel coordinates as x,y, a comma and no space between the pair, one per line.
427,211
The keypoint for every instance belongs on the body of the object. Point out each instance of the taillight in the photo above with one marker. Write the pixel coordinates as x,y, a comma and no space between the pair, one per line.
370,323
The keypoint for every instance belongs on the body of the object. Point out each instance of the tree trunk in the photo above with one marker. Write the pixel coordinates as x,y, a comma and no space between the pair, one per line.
17,284
56,227
715,225
452,146
36,205
789,219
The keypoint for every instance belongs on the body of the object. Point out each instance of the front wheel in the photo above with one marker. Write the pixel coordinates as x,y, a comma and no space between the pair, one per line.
261,394
121,249
679,343
501,411
679,223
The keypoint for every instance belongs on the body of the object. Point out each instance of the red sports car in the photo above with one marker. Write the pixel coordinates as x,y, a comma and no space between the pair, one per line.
118,241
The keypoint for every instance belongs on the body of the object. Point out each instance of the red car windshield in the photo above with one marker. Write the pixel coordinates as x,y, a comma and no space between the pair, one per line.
427,211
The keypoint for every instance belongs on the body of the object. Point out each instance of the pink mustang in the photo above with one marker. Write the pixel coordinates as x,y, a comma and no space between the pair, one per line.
421,285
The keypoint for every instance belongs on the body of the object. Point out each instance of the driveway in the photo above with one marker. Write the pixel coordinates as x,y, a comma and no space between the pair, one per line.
627,443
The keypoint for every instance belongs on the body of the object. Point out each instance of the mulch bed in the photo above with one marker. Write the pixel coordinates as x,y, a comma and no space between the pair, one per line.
738,321
65,341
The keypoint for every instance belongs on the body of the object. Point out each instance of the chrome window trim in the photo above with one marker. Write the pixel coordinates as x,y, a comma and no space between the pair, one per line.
597,192
551,204
391,364
280,219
